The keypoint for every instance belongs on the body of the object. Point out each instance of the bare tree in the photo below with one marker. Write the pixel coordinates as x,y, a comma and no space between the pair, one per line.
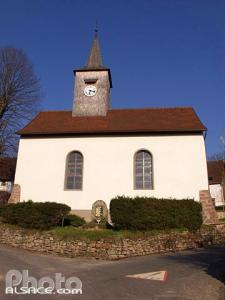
220,155
19,96
222,138
217,156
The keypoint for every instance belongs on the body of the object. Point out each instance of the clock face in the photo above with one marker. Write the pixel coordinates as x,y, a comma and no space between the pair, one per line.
90,90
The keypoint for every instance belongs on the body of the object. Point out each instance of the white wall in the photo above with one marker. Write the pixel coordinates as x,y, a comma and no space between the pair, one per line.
216,191
179,166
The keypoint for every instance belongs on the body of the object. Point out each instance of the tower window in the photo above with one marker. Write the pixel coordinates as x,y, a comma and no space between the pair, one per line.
74,171
143,178
90,80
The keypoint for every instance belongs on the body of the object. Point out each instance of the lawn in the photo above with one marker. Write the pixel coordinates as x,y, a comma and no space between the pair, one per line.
68,233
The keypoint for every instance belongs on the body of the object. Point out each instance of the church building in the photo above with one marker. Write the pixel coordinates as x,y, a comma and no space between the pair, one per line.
93,153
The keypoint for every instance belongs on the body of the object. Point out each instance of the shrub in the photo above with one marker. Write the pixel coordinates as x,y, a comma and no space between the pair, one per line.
90,225
35,215
103,224
74,220
142,213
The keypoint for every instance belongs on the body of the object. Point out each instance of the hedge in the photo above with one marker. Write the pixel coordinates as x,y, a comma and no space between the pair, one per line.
35,215
142,213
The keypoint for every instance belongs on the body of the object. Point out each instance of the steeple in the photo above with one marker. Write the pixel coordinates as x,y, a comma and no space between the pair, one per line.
94,60
92,85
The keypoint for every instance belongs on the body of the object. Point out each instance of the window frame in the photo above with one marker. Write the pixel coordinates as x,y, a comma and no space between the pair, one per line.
134,171
66,172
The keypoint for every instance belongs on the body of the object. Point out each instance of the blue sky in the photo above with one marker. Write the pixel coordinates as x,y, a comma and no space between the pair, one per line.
162,53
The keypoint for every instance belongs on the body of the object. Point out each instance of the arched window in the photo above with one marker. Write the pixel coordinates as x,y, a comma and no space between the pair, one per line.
143,178
74,171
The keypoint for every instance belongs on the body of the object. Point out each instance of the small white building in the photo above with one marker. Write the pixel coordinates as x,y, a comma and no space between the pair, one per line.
216,173
7,173
96,153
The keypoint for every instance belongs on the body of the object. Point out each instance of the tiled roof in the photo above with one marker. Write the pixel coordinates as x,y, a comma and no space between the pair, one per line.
121,121
216,171
7,168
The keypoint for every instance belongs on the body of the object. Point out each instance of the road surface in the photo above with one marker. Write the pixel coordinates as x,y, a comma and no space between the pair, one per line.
192,275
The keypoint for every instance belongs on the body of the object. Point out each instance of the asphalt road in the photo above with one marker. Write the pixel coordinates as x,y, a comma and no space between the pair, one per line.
191,275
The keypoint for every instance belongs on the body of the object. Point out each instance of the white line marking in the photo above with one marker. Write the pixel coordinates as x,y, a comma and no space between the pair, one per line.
159,275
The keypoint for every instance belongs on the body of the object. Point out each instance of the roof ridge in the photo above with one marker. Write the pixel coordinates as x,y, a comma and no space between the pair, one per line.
156,108
215,161
54,110
129,108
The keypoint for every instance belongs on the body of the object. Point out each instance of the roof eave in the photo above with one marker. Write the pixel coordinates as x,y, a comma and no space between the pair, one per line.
197,131
95,69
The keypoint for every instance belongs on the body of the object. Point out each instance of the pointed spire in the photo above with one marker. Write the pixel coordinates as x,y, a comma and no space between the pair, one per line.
94,60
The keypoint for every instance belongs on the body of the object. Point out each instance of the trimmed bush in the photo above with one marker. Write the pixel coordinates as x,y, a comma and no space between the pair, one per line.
36,215
74,220
142,213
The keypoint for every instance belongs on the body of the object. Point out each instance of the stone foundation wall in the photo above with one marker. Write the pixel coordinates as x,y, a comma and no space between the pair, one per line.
15,195
208,209
109,249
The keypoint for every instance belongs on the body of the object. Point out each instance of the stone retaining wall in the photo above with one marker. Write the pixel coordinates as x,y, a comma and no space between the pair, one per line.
109,249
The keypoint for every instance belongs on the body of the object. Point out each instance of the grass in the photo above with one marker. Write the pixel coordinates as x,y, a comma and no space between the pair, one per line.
71,233
222,220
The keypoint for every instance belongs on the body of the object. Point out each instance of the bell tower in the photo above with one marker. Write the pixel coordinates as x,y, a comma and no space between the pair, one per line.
92,85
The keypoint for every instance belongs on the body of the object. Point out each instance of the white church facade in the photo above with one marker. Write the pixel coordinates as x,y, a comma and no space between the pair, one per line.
96,153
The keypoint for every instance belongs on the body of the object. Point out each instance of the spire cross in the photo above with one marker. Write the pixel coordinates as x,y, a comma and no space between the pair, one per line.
96,28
